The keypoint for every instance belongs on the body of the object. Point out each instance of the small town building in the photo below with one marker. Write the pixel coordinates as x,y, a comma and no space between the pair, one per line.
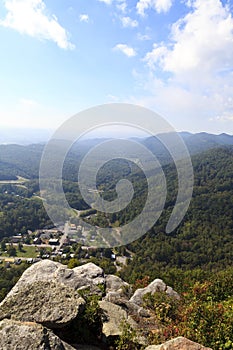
54,241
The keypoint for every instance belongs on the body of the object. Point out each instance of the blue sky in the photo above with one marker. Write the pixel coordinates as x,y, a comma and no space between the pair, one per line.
60,57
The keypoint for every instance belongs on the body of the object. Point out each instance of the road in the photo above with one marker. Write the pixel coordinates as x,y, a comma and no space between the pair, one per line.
63,237
32,245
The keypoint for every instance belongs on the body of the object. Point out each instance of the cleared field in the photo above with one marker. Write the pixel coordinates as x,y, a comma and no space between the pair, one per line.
27,252
19,181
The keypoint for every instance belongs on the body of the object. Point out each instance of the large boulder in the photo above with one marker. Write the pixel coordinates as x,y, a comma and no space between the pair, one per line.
28,336
47,297
113,318
156,286
116,289
116,284
43,302
85,276
89,276
179,343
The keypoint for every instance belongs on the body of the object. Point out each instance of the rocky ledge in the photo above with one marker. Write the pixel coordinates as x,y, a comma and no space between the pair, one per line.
55,308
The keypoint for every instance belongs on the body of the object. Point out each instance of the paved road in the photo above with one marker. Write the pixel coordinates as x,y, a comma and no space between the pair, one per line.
63,237
32,245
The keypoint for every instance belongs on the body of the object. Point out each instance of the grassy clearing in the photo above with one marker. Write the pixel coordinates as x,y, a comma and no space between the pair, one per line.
20,180
27,252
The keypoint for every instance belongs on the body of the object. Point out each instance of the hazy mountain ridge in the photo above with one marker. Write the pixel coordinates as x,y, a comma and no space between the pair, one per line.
24,160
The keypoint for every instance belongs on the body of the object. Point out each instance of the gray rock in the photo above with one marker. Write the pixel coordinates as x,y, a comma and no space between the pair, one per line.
113,318
89,270
48,303
172,293
113,297
27,336
130,307
156,286
115,284
179,343
89,276
85,276
116,289
135,309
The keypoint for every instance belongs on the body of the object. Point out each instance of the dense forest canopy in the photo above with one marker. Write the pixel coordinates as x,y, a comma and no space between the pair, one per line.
18,160
195,259
204,238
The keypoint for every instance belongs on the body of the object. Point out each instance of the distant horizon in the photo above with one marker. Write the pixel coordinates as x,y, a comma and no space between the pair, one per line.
28,136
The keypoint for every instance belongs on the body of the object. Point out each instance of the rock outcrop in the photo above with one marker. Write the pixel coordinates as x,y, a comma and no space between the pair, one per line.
43,302
85,276
115,284
28,336
113,318
46,310
179,343
89,276
156,286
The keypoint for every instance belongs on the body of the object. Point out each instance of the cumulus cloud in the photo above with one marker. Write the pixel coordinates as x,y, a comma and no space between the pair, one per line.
129,22
195,66
201,41
125,49
157,5
84,18
30,17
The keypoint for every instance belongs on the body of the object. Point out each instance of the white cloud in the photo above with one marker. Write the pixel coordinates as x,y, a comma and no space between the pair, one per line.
157,5
155,56
185,109
84,18
202,41
129,22
143,37
107,2
30,17
125,49
190,77
122,6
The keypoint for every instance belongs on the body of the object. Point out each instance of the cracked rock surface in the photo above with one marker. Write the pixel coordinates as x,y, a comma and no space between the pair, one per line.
28,336
48,303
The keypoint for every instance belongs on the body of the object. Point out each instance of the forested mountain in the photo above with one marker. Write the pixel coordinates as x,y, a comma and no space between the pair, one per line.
204,238
18,160
195,259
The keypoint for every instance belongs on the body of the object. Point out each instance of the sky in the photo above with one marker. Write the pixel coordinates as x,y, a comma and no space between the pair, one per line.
60,57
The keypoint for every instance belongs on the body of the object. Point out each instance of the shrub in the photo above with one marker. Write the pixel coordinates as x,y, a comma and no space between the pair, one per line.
128,338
